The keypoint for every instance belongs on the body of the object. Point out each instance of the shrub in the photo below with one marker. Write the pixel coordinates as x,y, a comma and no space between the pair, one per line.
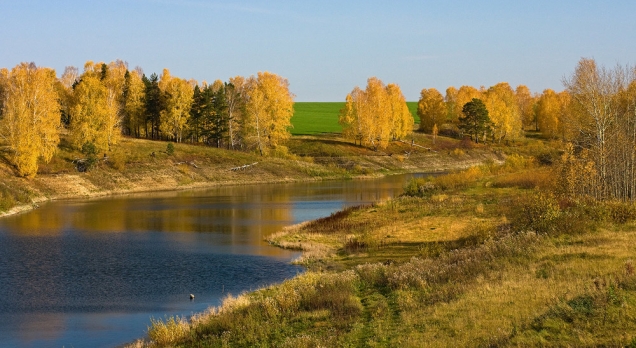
525,180
517,162
117,160
622,212
170,149
88,163
536,212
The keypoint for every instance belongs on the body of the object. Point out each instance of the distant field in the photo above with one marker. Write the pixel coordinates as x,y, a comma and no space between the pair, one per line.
413,108
322,117
316,117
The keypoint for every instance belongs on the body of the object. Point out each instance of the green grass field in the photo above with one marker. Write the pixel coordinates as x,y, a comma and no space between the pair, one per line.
322,117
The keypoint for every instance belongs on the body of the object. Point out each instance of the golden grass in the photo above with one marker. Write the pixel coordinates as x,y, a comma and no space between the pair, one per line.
486,263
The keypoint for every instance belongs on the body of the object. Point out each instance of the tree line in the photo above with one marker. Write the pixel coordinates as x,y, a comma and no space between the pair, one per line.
107,101
595,117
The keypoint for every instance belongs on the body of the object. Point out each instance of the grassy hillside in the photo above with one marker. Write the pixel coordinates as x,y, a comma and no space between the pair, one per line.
137,165
322,117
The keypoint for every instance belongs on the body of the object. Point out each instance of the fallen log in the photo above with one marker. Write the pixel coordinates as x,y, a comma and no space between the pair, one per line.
243,167
414,144
191,163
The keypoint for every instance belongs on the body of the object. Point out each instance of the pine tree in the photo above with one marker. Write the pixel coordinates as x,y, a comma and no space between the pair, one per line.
475,121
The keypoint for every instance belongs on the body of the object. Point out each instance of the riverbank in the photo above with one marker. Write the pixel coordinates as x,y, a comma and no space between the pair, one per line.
483,257
138,165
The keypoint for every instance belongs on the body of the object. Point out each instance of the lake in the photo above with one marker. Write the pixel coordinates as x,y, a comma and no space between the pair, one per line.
91,273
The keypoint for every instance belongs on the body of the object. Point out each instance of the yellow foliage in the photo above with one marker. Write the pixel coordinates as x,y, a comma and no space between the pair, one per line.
268,111
30,116
135,107
431,109
114,82
400,114
464,95
526,103
375,115
178,101
90,113
548,111
503,111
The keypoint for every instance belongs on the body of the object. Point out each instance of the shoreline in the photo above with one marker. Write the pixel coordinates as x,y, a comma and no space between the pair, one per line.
24,208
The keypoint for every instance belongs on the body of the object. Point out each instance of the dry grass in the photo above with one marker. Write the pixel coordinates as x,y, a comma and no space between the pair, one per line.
449,269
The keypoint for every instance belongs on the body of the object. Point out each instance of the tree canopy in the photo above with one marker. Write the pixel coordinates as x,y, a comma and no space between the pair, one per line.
375,115
30,119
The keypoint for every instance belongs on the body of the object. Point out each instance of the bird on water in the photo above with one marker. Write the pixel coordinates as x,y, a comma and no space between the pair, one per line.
191,297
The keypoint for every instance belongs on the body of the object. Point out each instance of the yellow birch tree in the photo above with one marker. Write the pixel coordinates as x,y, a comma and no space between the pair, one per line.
269,108
548,113
30,116
235,100
177,95
400,115
135,107
89,113
351,116
114,81
380,125
431,109
526,102
465,94
503,112
375,115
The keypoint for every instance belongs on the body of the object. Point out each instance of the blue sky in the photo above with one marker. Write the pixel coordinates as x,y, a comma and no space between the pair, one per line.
326,48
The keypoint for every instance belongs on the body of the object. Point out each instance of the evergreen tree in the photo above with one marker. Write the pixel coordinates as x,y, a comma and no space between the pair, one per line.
196,112
219,122
475,121
153,105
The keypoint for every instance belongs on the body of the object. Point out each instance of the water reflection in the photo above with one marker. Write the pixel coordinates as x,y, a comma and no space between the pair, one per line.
92,272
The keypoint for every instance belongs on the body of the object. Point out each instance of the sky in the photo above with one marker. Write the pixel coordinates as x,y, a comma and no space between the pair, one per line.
325,47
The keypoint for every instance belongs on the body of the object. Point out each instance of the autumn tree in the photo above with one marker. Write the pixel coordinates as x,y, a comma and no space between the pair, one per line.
603,116
431,109
450,99
475,120
268,111
464,95
67,81
30,119
177,101
503,111
352,116
235,98
399,115
114,79
548,113
134,108
89,113
371,116
526,103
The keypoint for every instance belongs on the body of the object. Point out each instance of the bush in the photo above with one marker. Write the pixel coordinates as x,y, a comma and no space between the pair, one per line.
88,163
622,212
170,149
117,161
536,212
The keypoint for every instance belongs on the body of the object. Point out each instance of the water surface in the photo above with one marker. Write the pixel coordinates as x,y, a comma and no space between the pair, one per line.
91,273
